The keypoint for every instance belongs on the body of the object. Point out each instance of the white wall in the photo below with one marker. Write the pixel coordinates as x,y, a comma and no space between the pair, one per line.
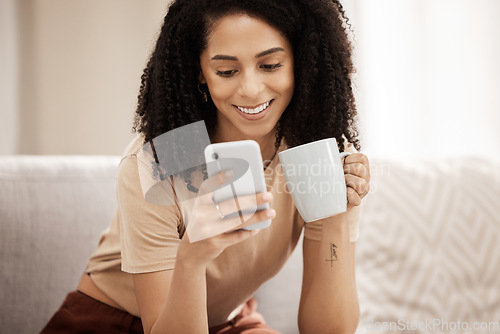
428,76
8,77
79,73
428,81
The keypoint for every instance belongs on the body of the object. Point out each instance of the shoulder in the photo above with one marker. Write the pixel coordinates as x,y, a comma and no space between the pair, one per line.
133,146
138,172
127,169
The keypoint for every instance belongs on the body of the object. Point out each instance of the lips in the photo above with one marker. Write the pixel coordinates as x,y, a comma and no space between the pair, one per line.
254,113
256,110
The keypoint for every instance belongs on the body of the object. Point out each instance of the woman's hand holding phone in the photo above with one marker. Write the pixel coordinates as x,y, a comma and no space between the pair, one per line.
214,227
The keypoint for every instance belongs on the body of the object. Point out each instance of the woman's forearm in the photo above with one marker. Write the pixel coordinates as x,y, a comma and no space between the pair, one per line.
331,303
185,310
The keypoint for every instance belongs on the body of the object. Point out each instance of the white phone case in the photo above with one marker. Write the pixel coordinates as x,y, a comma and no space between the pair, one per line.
244,158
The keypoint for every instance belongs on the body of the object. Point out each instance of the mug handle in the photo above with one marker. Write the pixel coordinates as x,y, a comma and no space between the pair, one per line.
344,155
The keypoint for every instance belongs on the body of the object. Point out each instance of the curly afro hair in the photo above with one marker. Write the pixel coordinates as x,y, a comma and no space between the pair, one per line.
323,103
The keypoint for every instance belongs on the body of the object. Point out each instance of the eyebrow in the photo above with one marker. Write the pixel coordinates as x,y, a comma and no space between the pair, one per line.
259,55
267,52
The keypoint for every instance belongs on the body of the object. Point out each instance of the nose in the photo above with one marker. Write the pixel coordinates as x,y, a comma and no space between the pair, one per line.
250,85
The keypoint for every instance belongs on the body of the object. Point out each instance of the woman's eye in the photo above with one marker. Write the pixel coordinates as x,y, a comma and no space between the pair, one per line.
226,74
270,67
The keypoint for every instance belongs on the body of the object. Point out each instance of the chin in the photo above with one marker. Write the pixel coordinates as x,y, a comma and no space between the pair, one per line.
259,130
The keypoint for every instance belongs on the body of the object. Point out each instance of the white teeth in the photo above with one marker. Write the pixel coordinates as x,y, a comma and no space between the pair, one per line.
255,110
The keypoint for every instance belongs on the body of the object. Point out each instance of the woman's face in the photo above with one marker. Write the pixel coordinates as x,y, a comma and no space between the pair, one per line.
248,67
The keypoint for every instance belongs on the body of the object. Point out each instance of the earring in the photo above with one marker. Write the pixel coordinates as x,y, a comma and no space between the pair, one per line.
205,97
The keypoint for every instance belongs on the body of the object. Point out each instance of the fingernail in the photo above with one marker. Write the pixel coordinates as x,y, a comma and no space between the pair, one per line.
271,213
267,196
229,173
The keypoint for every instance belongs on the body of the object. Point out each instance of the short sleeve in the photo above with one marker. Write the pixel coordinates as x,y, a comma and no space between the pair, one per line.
149,233
313,230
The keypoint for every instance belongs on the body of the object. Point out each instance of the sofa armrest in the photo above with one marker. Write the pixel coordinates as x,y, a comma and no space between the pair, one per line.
52,211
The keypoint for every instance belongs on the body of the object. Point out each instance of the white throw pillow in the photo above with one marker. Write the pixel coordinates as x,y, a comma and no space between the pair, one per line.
428,255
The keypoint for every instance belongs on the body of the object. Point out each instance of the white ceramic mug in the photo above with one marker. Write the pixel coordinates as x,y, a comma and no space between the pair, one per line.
314,176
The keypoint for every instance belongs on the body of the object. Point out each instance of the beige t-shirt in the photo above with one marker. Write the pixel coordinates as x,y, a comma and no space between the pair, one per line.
144,237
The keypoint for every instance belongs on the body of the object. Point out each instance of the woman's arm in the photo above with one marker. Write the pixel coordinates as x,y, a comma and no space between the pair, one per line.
329,301
175,301
172,301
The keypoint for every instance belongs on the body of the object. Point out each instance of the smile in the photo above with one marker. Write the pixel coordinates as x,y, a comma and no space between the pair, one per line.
255,110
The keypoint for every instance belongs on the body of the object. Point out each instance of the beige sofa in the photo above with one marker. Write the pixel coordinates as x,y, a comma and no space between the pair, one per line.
428,254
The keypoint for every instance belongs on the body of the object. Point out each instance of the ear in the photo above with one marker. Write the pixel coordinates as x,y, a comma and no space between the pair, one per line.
201,78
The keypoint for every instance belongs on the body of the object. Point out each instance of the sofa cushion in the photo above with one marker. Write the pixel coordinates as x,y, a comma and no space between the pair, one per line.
427,250
52,211
428,247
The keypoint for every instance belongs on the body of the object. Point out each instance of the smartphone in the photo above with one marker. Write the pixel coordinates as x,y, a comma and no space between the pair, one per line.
244,158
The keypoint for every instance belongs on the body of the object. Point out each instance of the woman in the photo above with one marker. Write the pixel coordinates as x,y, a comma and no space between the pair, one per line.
277,72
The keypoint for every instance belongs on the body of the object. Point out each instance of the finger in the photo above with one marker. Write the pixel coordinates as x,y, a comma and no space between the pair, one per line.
357,169
200,229
216,181
359,185
206,223
247,203
206,227
353,197
357,158
250,219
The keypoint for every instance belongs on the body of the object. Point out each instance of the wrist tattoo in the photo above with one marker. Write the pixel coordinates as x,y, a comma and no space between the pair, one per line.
333,254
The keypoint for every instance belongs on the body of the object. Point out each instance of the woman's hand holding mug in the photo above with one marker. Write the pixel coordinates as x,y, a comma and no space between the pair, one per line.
357,178
322,181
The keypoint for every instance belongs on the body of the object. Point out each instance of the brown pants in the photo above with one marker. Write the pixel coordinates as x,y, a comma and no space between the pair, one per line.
80,313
